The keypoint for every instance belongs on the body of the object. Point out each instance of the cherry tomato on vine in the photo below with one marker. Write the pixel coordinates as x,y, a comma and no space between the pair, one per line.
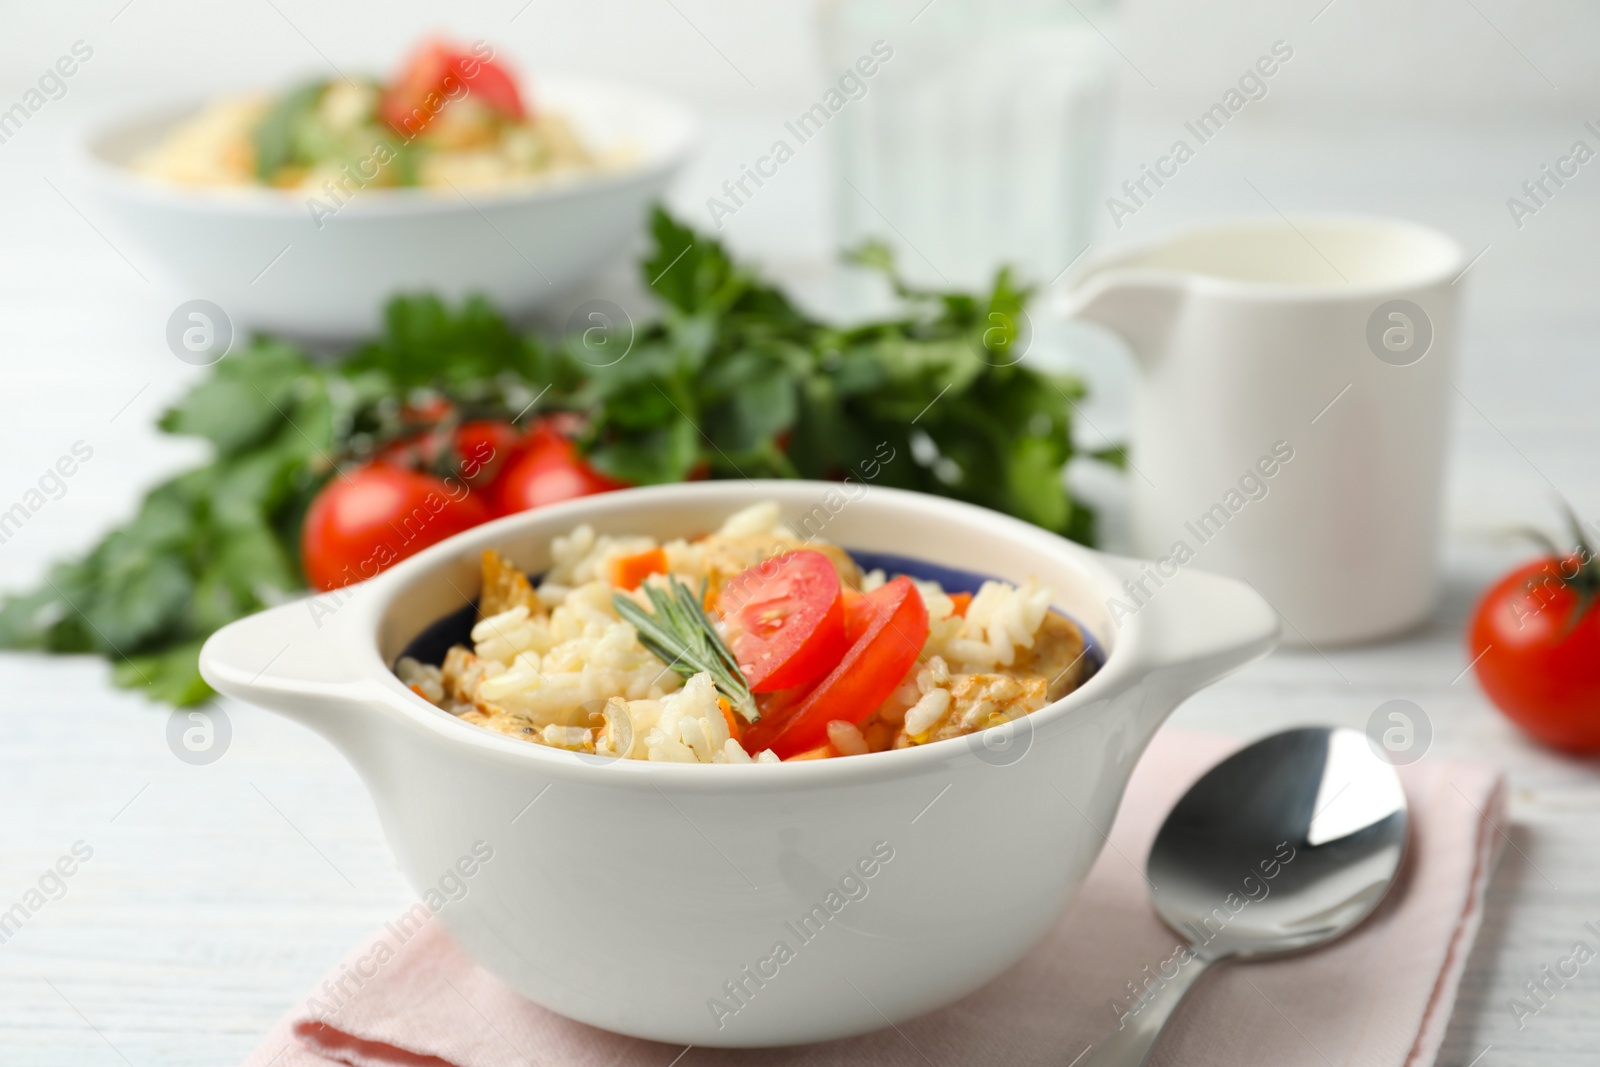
482,447
375,516
547,470
1535,643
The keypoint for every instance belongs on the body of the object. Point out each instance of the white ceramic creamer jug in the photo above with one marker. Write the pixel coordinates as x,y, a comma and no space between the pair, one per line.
1290,419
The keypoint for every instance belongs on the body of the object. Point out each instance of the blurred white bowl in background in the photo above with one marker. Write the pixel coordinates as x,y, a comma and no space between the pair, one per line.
268,260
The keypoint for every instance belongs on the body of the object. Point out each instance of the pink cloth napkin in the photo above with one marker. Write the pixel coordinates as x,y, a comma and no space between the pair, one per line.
1381,996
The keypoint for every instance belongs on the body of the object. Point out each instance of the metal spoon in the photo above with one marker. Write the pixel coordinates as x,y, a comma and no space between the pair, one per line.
1281,847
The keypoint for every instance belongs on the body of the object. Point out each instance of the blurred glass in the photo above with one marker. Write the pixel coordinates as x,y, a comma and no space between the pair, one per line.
981,140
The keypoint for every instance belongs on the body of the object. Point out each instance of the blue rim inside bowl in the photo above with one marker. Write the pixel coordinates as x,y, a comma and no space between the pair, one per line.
436,639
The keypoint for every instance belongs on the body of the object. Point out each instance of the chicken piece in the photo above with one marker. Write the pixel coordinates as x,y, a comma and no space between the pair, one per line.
1056,656
502,721
505,587
514,724
460,674
976,702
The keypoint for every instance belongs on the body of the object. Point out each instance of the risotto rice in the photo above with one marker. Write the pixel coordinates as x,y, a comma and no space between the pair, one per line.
557,665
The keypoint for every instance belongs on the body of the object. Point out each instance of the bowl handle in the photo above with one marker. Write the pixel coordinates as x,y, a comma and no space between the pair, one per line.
287,660
1193,627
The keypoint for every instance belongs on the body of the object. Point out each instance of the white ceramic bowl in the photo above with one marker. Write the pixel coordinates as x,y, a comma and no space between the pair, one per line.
268,261
639,897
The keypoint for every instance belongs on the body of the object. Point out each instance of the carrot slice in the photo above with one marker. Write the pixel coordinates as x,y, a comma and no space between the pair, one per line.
823,751
962,602
627,572
728,716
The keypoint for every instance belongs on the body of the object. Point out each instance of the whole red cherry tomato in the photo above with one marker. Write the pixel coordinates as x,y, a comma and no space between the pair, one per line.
364,521
1535,639
547,470
482,448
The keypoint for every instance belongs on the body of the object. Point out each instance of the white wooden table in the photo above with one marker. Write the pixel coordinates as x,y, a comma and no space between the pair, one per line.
217,895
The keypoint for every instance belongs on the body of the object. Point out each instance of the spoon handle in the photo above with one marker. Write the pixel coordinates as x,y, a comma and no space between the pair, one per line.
1132,1042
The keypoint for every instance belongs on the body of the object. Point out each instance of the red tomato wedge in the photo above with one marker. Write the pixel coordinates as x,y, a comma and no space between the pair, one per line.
869,672
858,614
412,99
785,620
493,84
429,80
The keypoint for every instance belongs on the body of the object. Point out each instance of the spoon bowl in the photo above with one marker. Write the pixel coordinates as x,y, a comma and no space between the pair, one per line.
1283,846
1307,827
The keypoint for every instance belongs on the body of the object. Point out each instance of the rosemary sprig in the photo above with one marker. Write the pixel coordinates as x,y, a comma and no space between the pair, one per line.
680,634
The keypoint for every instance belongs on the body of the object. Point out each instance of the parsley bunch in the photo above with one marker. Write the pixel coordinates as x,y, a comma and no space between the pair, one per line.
736,378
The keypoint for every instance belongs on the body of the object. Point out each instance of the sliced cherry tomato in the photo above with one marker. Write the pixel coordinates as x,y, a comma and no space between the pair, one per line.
548,470
405,104
785,620
364,521
779,705
425,85
858,614
869,672
492,84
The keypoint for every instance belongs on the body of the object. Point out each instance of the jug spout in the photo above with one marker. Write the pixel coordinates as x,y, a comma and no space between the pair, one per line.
1139,306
